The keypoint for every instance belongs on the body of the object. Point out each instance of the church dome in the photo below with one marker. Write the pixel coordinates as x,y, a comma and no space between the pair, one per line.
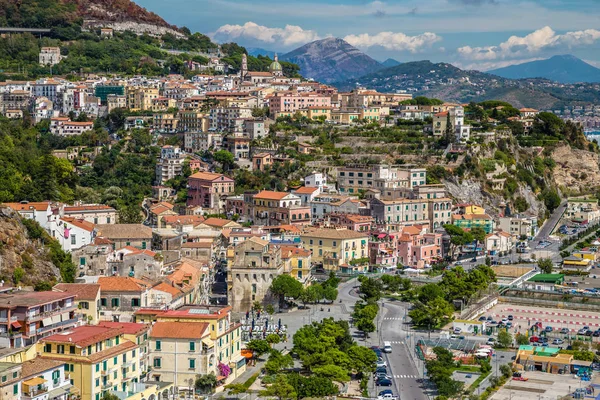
275,68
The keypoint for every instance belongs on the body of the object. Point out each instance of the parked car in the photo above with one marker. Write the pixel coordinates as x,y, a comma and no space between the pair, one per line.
558,341
564,331
548,329
381,363
384,382
583,330
589,332
534,339
490,341
510,317
385,391
387,396
457,331
482,318
381,369
381,376
517,376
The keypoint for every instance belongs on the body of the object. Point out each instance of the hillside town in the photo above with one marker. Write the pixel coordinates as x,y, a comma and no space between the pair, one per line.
230,232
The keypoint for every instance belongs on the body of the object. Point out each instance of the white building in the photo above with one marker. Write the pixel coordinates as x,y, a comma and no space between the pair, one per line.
170,164
37,211
255,128
49,56
316,180
62,126
44,379
72,233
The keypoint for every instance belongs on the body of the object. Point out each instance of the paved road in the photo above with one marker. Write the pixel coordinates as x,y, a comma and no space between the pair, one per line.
406,370
549,225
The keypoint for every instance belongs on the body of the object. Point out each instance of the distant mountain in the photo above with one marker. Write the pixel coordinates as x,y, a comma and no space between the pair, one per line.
447,82
329,60
564,69
257,51
390,62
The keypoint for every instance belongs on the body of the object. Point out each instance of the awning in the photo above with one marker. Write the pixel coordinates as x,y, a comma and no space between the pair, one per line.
65,316
56,319
34,381
47,321
66,389
221,377
16,325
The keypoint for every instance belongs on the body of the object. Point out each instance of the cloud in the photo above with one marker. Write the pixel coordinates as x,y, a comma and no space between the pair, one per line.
477,2
379,14
539,41
394,41
288,36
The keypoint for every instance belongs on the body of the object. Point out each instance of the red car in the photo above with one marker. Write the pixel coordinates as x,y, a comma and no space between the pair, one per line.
534,339
518,377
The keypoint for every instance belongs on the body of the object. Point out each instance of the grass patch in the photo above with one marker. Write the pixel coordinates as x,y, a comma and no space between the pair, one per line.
251,380
468,368
243,387
478,381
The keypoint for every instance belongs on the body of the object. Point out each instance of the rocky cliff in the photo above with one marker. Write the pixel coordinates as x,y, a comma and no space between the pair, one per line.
17,250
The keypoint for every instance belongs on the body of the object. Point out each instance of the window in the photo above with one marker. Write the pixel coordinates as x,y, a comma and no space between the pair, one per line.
81,260
73,239
192,363
48,348
143,245
98,367
320,243
192,346
15,374
108,220
71,349
96,220
97,382
116,340
157,363
334,243
16,389
60,349
157,345
114,302
135,302
103,302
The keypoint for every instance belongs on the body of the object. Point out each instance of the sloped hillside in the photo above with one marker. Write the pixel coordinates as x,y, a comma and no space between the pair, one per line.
22,260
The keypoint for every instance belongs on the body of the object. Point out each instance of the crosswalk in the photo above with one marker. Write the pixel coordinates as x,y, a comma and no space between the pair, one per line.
405,376
391,342
392,319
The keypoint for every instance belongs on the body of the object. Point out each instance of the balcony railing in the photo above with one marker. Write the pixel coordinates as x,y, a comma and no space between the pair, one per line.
107,385
13,318
57,325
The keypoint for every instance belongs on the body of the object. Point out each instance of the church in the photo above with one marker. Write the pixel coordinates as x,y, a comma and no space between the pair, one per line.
258,77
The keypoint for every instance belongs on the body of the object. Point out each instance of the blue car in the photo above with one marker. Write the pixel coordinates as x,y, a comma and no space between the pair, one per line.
384,382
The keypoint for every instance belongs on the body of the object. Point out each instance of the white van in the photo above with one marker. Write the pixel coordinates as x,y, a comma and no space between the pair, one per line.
387,347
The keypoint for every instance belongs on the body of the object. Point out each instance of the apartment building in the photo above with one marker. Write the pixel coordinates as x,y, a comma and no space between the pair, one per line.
141,98
44,379
121,235
335,248
64,127
99,360
208,190
223,333
87,299
193,121
276,208
92,213
223,119
395,214
201,141
170,164
418,247
519,226
26,317
290,102
49,56
353,179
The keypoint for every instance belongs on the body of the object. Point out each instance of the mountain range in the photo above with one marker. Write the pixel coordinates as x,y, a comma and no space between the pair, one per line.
562,68
390,62
330,60
257,51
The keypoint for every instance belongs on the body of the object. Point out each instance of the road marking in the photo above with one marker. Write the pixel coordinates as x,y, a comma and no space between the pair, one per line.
392,319
405,376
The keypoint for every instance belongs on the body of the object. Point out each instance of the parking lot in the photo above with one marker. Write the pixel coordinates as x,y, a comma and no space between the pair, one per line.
523,317
541,386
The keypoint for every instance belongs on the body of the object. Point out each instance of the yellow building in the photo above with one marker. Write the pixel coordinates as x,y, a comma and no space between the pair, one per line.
165,122
297,263
335,248
98,360
471,210
225,334
345,116
140,98
87,300
181,351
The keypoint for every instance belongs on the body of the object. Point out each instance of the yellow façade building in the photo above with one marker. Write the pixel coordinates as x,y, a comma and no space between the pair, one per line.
99,360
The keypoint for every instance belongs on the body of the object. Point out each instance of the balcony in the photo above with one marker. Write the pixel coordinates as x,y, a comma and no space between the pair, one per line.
107,385
58,311
13,318
45,329
35,391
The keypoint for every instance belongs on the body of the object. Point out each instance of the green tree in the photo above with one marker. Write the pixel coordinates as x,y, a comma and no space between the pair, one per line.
258,347
365,325
278,362
273,338
224,158
280,389
312,386
363,359
286,286
270,309
333,372
18,274
505,339
330,293
110,396
521,204
506,370
370,289
551,199
521,339
545,265
205,383
432,314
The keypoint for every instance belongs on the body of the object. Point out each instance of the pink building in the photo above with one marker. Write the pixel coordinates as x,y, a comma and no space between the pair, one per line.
383,249
206,189
354,222
418,248
292,102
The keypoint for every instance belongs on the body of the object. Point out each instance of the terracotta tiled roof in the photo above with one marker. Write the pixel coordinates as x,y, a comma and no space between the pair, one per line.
112,351
185,272
38,206
183,219
305,190
128,328
196,245
270,195
121,284
101,241
165,287
124,231
217,222
84,336
209,176
290,251
37,366
93,207
84,291
79,223
179,330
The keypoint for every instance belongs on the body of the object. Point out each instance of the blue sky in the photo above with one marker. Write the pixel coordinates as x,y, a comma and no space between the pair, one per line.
479,34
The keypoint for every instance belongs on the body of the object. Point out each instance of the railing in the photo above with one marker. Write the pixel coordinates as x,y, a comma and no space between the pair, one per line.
107,385
57,325
13,318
